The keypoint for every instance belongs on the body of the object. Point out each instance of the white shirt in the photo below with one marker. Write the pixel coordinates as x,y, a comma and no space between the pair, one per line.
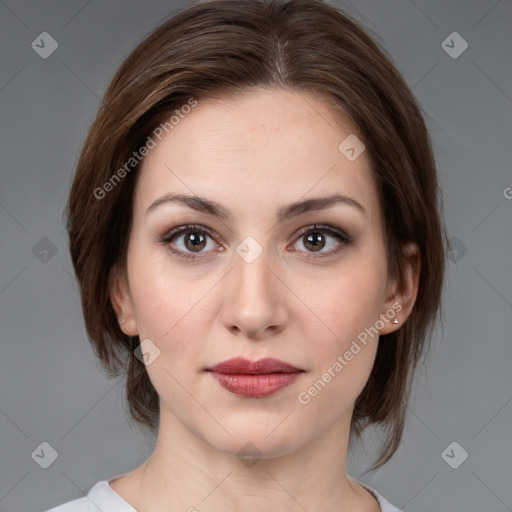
102,498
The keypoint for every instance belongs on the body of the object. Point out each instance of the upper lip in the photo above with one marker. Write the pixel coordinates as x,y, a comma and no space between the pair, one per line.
241,366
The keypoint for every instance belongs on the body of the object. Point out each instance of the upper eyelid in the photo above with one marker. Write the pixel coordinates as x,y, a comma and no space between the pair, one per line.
325,228
179,231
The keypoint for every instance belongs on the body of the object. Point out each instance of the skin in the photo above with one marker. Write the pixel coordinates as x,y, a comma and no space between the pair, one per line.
255,154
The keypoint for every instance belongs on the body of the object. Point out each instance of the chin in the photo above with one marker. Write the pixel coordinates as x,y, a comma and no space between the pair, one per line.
255,440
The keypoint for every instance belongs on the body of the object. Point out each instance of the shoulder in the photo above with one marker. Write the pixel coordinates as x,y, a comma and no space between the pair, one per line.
385,505
101,497
79,505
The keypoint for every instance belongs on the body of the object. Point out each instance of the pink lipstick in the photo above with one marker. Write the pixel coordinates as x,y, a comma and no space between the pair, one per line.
254,379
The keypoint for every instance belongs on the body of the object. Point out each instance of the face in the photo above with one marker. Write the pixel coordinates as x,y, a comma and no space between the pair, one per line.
243,274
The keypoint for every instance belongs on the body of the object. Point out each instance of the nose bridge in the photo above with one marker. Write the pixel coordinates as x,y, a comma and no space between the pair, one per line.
252,302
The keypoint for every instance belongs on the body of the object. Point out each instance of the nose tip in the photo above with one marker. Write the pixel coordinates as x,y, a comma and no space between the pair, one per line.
252,301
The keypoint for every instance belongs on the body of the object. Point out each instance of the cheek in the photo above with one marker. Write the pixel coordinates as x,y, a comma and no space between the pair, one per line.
349,306
170,310
344,359
351,301
170,306
331,394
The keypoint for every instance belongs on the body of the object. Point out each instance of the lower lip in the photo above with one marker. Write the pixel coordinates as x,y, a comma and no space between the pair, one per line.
255,386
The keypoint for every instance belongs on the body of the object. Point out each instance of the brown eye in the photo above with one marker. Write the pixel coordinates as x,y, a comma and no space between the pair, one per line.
194,241
319,237
315,241
189,241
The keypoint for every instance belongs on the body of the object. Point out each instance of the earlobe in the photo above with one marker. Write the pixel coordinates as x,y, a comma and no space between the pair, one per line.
404,294
121,301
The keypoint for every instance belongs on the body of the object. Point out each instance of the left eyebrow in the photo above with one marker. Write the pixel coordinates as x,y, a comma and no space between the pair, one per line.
204,205
318,203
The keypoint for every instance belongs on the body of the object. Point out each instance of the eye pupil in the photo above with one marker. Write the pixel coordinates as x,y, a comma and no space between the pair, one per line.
196,239
313,239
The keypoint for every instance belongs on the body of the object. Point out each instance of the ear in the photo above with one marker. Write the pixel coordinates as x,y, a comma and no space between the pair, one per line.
401,293
121,301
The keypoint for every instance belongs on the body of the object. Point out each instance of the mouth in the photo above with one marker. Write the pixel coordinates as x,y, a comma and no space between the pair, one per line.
254,379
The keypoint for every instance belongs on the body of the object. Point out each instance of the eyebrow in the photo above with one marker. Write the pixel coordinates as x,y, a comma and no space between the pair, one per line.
204,205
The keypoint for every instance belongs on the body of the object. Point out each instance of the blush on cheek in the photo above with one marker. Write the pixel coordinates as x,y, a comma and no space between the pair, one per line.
349,363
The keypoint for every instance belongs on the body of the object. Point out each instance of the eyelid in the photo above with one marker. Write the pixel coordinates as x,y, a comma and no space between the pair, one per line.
326,228
178,230
166,238
199,227
343,238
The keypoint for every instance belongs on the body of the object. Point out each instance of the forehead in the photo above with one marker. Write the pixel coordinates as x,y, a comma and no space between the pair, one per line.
260,148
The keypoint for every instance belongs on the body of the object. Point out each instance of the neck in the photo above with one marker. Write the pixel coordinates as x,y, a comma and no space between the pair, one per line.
186,473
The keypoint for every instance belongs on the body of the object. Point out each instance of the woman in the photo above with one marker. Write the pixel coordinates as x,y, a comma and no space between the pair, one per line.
254,226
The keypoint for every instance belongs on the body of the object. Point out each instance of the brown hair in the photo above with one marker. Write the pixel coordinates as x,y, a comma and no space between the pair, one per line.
226,47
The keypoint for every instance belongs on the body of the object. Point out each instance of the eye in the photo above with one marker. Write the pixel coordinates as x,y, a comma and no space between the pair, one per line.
190,241
318,237
184,241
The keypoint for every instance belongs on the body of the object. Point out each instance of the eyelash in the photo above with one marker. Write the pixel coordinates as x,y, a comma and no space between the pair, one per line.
166,239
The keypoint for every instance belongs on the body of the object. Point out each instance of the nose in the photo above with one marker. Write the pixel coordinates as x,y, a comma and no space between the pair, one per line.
254,299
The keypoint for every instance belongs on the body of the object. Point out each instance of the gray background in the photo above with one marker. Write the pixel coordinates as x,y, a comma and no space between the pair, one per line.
51,388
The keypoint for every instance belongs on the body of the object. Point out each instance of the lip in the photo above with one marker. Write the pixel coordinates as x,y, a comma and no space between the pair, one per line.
254,379
242,366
